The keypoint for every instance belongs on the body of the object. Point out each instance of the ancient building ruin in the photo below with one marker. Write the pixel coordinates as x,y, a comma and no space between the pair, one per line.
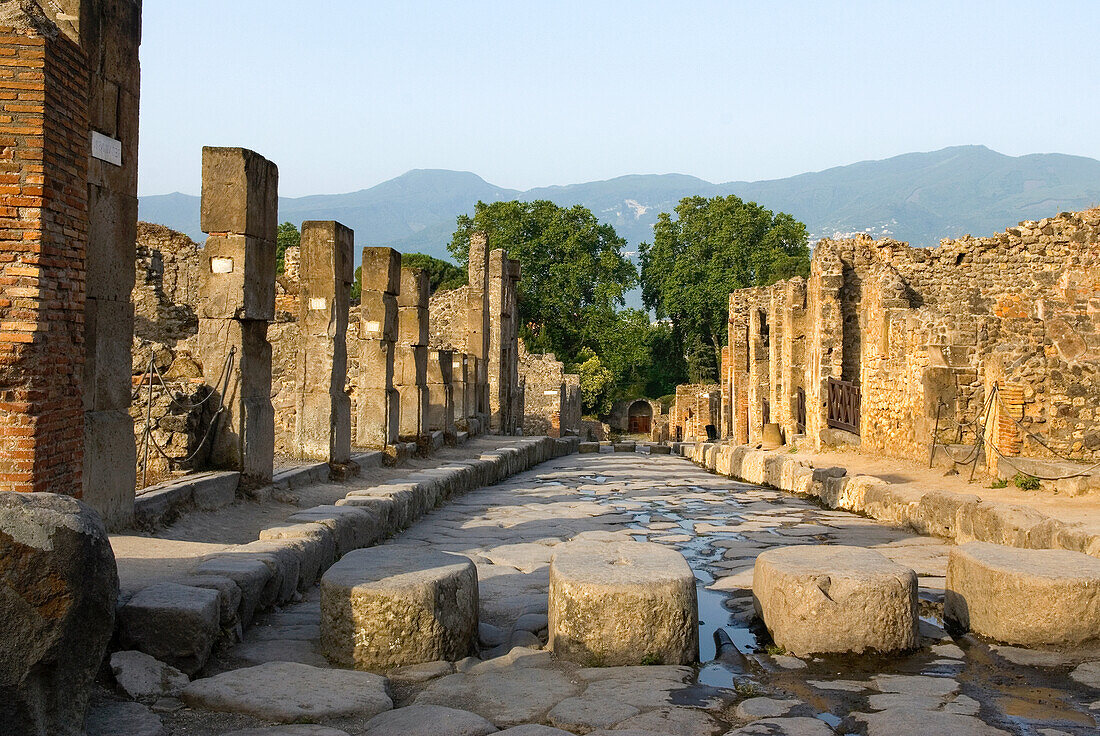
551,397
696,407
885,343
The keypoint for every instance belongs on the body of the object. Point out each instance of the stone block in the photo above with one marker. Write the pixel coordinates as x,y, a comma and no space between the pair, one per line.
317,545
936,512
415,288
1025,597
410,365
108,364
376,364
394,605
250,374
214,490
229,594
240,193
440,366
257,432
835,598
441,410
237,278
110,458
251,576
412,326
660,450
352,527
413,411
327,254
381,271
378,316
284,558
317,430
112,230
624,603
588,447
175,623
378,413
59,587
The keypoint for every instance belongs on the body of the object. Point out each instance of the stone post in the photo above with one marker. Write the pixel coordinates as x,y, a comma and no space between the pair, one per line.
411,356
441,404
477,325
323,419
459,390
377,401
739,370
503,365
239,208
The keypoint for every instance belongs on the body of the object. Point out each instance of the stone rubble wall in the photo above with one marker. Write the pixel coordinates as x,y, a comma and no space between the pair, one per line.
696,406
919,329
551,397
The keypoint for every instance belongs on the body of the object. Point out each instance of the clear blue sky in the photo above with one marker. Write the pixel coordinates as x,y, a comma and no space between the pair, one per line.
344,95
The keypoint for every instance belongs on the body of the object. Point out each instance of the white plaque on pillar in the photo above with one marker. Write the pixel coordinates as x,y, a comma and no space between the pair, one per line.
106,148
318,303
374,327
221,265
549,393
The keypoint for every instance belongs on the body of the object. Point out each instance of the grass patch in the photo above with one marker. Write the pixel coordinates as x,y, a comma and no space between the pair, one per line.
775,650
1025,482
651,659
999,483
746,688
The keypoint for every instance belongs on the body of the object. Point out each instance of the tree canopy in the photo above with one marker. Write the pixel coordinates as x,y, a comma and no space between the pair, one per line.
713,247
286,235
574,271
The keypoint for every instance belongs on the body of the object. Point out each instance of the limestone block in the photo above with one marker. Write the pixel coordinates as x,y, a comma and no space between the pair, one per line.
376,364
378,413
146,678
381,271
108,364
318,547
237,278
1024,597
110,457
937,510
240,193
284,557
112,229
328,254
441,409
352,527
175,623
415,288
58,610
588,447
412,326
322,427
999,523
257,439
377,316
395,605
413,411
410,365
441,366
393,508
251,576
834,598
229,594
622,603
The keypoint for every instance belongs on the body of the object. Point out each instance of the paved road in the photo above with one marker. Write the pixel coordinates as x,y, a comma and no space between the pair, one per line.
949,686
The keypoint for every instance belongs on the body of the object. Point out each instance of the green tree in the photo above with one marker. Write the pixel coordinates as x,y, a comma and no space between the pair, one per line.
442,275
574,272
713,247
285,236
596,383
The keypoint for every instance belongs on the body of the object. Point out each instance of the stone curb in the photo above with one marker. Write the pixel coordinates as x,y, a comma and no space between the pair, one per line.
165,501
960,517
291,557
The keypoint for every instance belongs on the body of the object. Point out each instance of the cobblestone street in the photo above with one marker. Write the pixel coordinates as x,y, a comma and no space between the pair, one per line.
947,686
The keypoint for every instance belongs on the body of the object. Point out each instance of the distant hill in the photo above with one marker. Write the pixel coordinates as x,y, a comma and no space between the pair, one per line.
918,197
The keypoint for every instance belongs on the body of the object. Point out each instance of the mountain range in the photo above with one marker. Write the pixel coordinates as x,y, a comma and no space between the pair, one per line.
917,197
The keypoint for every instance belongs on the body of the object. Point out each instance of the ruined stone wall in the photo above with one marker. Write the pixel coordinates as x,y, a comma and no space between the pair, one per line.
920,329
447,319
165,286
545,395
696,406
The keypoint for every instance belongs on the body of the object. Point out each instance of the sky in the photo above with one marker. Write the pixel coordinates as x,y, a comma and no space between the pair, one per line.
345,95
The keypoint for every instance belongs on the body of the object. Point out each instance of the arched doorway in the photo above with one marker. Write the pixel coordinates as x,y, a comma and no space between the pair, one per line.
640,417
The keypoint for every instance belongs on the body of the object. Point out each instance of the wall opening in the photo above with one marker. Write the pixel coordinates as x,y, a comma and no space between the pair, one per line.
640,418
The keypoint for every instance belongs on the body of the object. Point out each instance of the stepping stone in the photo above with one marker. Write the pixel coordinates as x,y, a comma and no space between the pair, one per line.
507,698
146,678
294,730
428,719
288,692
801,726
533,729
624,603
754,708
1026,597
175,623
395,605
834,598
921,722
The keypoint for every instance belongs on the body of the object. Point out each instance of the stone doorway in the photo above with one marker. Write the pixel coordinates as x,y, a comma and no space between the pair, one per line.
640,418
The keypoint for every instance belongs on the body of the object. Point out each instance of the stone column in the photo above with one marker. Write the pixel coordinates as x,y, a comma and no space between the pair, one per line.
441,404
500,384
739,369
240,191
477,324
411,356
377,401
323,419
459,390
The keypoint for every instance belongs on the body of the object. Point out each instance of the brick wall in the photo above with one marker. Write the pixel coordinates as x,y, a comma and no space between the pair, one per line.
43,235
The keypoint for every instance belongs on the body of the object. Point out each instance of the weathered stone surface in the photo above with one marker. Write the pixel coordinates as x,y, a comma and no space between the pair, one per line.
506,698
784,727
392,605
1024,597
289,692
122,719
910,721
834,598
533,729
436,720
175,623
1087,674
146,678
292,730
58,586
622,603
673,720
764,708
585,713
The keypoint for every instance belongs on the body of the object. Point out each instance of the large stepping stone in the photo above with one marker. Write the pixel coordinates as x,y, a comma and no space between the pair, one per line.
622,603
834,598
436,720
288,692
390,606
1026,597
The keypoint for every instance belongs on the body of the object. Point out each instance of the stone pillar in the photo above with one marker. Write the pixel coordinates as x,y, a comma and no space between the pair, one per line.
459,388
240,191
739,370
411,357
441,404
377,401
323,419
502,350
477,323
